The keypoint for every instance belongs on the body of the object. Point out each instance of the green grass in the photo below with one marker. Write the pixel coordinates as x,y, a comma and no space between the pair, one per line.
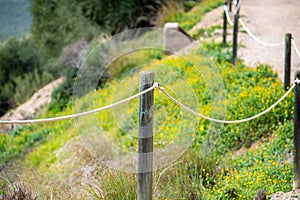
248,91
174,12
189,19
52,159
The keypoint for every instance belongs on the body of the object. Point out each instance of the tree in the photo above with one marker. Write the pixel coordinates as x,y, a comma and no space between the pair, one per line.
58,23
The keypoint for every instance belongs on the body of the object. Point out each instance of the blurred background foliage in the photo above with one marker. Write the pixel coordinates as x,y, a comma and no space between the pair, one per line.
32,58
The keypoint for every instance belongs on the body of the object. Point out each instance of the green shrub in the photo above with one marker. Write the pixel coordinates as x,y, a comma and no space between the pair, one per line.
248,92
20,72
59,23
188,19
62,95
265,166
26,85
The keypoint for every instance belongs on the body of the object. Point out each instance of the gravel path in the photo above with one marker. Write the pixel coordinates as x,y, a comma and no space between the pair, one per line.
268,21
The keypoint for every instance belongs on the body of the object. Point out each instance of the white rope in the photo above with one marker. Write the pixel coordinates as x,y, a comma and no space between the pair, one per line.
258,40
295,47
227,15
155,85
225,121
237,8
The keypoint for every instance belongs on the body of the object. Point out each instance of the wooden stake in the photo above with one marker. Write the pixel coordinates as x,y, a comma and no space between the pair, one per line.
235,35
296,184
145,140
224,27
287,60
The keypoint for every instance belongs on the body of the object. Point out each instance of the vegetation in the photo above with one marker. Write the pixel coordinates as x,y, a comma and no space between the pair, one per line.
176,13
60,160
56,25
194,175
20,72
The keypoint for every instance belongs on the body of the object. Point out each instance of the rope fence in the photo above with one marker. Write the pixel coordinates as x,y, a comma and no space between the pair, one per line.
225,7
288,43
227,13
145,175
226,121
256,38
163,91
53,119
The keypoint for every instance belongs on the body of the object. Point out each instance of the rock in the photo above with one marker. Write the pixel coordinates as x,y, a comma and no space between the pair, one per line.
175,38
292,195
260,195
74,54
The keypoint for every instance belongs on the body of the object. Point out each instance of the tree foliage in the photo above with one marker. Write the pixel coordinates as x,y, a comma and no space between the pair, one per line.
58,23
20,73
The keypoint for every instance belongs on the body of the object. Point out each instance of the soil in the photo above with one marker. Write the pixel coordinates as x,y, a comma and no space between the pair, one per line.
29,109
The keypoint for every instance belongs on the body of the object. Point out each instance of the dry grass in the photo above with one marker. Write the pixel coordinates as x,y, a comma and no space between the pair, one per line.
18,192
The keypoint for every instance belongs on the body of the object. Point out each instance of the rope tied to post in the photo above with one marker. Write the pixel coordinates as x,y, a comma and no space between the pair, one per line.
297,81
76,115
225,7
161,90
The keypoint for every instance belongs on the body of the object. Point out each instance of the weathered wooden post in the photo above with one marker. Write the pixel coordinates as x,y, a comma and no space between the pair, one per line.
296,184
230,5
287,60
145,140
235,35
224,25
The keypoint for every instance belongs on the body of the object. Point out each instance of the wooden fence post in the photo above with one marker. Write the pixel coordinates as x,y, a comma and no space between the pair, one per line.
235,35
145,140
296,184
224,25
287,60
230,5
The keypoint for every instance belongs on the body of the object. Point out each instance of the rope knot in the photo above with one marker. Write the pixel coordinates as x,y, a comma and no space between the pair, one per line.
155,85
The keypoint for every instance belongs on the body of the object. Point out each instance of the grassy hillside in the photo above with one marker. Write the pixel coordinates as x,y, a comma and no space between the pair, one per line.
248,91
62,160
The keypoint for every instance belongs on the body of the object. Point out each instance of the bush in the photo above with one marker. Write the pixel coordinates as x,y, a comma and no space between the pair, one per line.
59,23
20,72
62,95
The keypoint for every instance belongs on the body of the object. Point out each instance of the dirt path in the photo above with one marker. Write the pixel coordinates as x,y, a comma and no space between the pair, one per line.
29,109
268,21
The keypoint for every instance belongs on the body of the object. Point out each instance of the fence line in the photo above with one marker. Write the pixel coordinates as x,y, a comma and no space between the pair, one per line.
162,90
295,47
297,81
237,8
155,85
225,7
256,39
